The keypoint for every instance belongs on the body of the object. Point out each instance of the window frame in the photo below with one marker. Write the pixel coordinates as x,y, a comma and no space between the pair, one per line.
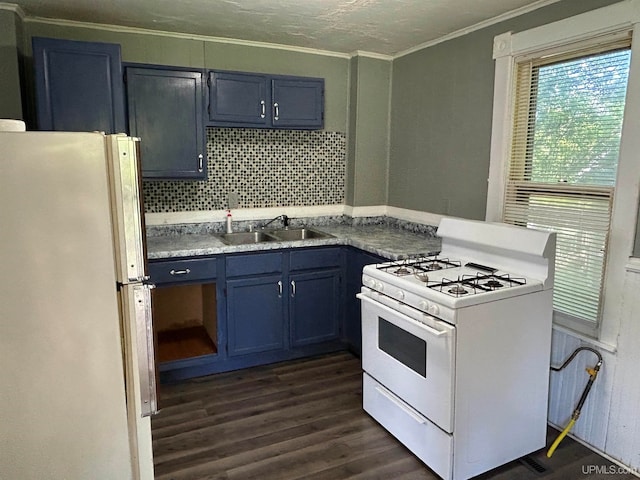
603,25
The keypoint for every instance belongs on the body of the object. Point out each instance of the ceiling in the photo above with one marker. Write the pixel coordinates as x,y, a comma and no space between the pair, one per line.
385,27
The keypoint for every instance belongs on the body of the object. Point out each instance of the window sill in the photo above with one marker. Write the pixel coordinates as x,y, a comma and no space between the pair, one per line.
633,265
586,339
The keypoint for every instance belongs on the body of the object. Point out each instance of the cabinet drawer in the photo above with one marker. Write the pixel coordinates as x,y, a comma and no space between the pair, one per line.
255,264
183,270
316,258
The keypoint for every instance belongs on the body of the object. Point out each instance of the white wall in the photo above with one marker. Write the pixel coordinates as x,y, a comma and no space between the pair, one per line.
610,419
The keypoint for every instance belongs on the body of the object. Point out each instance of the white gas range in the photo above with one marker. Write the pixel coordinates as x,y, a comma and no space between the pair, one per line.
455,347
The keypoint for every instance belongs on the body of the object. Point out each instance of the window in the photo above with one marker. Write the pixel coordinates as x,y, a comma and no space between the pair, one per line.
561,174
594,199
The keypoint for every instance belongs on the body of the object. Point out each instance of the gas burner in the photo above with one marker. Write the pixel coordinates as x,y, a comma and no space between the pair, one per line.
433,266
458,290
490,282
402,271
399,268
456,287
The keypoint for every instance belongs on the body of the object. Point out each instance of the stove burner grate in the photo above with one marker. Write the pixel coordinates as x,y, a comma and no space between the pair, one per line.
417,265
472,284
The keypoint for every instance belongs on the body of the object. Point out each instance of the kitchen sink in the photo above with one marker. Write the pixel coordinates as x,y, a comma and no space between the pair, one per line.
242,238
298,234
259,236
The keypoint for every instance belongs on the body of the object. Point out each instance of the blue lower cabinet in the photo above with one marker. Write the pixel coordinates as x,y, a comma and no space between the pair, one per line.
283,304
356,260
187,308
315,304
255,315
271,306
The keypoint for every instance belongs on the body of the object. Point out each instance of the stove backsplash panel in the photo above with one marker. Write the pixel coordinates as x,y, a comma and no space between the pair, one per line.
265,168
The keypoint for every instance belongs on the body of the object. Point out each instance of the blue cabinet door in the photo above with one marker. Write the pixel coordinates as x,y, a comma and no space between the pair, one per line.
78,86
297,102
253,100
255,314
356,260
165,111
315,304
238,99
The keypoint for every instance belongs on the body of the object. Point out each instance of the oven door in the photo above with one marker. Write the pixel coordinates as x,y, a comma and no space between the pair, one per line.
411,353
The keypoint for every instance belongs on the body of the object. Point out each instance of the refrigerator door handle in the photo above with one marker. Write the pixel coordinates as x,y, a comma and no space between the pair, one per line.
126,186
145,350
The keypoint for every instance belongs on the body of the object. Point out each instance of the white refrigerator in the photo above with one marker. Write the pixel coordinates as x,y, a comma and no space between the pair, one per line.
77,377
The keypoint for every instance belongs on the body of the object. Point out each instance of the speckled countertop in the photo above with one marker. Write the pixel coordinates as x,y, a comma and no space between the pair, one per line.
389,238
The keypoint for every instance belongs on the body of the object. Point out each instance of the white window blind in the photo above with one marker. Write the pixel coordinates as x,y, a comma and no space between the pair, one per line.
562,168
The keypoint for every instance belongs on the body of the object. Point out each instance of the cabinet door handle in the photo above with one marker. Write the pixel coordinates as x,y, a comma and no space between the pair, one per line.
263,109
279,289
293,288
276,109
186,271
200,163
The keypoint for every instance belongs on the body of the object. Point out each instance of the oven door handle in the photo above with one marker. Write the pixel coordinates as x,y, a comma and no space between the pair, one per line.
429,329
402,407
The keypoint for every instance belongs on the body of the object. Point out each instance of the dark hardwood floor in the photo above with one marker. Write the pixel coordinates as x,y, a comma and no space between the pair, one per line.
304,420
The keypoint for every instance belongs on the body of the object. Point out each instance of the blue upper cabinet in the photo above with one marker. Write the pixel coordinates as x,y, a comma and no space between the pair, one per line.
165,111
78,86
265,101
238,99
297,102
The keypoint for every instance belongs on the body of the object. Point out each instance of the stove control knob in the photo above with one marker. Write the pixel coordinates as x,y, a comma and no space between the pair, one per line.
369,282
434,310
379,286
400,295
424,306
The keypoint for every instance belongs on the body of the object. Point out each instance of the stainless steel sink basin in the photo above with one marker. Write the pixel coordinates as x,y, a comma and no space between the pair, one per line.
242,238
298,234
259,236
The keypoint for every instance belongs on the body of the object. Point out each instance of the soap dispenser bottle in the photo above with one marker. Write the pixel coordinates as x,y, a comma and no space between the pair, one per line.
229,220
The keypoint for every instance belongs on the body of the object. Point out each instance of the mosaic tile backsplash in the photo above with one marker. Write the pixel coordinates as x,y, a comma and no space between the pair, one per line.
264,168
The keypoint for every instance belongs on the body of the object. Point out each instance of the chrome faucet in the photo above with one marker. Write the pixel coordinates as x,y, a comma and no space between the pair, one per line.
285,221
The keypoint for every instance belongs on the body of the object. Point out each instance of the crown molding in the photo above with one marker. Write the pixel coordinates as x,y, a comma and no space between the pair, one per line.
189,36
377,56
478,26
13,8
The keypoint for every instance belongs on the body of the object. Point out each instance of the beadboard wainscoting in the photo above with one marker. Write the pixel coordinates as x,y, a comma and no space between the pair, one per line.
609,421
262,168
